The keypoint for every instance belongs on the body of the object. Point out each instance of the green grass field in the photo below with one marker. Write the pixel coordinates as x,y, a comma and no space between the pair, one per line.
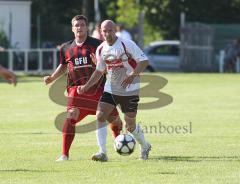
30,143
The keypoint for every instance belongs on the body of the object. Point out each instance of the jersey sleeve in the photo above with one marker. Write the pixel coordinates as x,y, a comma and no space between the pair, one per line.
62,55
101,65
137,54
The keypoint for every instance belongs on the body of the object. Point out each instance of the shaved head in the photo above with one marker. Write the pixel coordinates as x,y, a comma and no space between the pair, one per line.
108,30
108,23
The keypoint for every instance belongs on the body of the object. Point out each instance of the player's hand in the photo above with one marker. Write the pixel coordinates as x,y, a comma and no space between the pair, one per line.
9,76
127,81
47,79
81,89
93,57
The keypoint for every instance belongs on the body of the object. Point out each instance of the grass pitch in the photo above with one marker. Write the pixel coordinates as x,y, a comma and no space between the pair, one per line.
200,142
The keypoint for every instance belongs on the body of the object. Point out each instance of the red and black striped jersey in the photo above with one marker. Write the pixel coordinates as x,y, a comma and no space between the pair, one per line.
80,64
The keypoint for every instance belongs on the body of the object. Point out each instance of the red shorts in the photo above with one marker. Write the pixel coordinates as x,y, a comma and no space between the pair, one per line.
86,104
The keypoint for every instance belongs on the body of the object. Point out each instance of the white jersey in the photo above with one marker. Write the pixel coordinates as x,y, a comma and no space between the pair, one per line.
120,59
124,34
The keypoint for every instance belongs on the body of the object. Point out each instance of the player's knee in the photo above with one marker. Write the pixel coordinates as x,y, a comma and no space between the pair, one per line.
130,115
130,123
101,116
118,121
73,113
130,118
115,121
131,127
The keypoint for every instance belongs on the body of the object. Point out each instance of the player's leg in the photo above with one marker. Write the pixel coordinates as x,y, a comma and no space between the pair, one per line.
105,107
68,132
114,120
75,113
137,133
115,123
129,107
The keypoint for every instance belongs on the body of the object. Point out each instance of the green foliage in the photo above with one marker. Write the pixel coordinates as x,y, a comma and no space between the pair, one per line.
161,16
109,11
4,42
164,15
56,18
127,12
150,34
61,11
213,11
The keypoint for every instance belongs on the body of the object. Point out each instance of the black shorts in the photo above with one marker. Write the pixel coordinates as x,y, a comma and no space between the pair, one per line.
127,103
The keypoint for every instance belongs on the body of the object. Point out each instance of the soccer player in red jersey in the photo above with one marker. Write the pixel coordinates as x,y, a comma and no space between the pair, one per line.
75,58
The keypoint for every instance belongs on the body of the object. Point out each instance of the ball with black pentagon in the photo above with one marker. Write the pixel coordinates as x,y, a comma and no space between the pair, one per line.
124,144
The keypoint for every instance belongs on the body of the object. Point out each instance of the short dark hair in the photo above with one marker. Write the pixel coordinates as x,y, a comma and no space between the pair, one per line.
121,25
80,17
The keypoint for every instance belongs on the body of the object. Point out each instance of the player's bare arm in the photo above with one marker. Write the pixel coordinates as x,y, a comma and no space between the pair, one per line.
93,80
8,75
140,68
61,69
93,57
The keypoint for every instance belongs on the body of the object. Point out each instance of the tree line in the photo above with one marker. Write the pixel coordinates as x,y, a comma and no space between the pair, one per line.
162,17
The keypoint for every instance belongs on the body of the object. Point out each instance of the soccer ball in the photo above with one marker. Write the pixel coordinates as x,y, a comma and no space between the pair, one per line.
124,144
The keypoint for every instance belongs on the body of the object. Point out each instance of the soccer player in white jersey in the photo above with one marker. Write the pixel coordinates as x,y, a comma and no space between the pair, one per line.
124,61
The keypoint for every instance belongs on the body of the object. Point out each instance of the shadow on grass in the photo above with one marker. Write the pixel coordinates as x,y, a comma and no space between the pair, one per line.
29,78
26,79
30,133
22,170
194,159
163,173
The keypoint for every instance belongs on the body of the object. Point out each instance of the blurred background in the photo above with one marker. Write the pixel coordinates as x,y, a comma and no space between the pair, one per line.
177,35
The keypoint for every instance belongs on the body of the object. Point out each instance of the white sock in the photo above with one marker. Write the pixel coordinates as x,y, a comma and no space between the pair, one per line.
139,136
101,134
